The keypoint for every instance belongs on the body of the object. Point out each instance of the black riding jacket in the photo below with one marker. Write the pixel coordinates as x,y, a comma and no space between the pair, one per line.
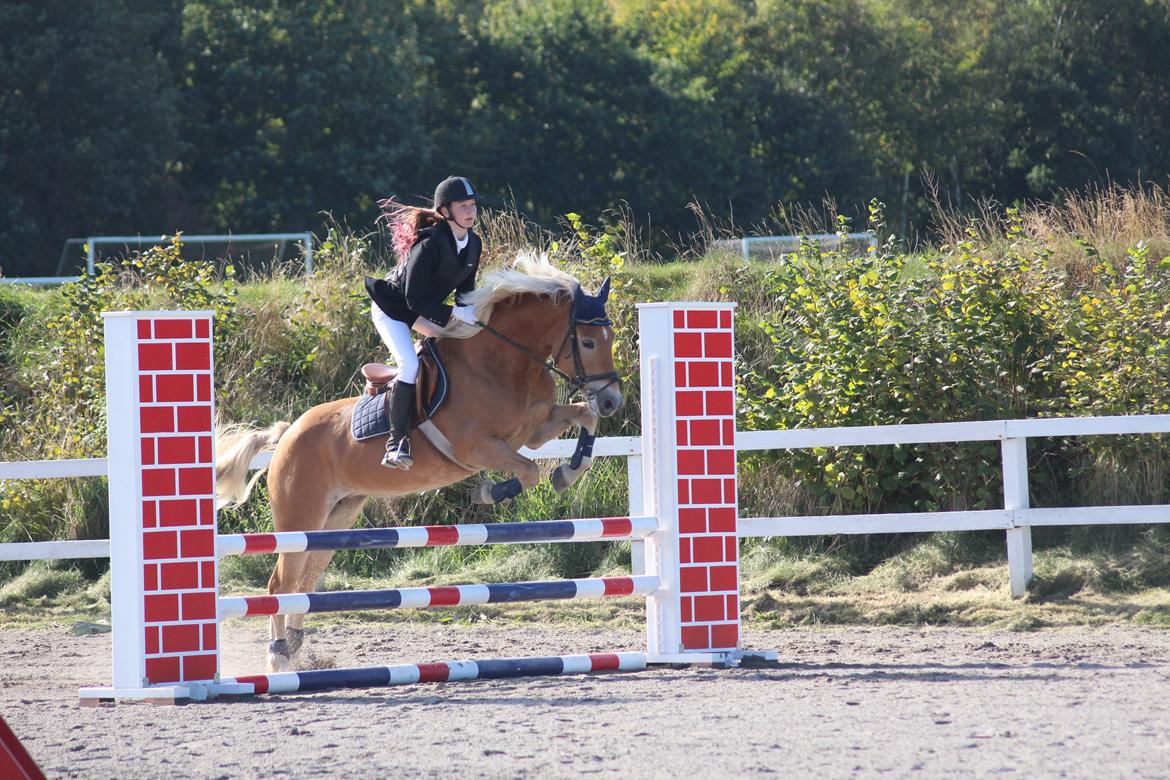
432,271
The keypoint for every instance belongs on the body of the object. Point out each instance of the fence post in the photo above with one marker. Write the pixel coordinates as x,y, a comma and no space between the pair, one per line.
308,254
1015,496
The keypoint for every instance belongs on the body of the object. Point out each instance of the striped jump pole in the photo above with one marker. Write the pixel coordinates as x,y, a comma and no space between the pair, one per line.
449,671
583,530
419,598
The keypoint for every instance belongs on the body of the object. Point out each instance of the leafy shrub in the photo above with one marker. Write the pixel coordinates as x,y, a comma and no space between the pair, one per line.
867,340
1112,357
62,406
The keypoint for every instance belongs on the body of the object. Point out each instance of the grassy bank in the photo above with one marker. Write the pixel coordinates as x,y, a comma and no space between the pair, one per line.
1042,312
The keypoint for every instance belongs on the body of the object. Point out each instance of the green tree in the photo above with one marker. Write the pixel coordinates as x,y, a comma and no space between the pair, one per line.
88,136
1086,95
294,108
555,104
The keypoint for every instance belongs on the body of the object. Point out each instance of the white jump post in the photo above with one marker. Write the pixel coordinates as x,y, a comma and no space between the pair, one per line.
689,482
161,447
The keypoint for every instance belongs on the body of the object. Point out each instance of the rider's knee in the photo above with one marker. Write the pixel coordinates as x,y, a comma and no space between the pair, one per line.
408,370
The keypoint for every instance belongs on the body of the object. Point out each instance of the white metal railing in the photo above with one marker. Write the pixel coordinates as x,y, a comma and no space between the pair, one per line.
305,239
1016,518
38,281
788,244
93,242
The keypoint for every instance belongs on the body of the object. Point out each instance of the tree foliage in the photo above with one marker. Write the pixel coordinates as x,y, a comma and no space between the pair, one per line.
88,125
256,115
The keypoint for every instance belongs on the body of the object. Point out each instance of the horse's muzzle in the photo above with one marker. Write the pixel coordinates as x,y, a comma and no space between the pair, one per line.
609,401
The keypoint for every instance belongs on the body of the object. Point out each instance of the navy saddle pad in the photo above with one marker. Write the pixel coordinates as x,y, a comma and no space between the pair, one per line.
370,415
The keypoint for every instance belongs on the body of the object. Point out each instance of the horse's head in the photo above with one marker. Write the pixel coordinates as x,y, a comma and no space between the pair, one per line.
591,358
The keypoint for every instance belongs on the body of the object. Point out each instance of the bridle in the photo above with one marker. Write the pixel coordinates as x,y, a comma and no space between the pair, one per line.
581,381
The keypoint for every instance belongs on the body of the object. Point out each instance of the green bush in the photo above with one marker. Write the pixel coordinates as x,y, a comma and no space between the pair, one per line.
58,385
862,340
988,328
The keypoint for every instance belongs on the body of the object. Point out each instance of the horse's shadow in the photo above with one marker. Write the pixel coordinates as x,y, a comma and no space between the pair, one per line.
439,694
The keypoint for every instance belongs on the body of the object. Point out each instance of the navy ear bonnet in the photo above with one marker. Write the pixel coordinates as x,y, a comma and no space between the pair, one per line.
590,309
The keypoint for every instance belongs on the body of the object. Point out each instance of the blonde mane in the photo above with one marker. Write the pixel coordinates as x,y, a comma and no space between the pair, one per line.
530,273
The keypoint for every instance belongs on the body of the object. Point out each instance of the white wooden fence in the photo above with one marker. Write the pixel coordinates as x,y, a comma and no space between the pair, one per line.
1016,518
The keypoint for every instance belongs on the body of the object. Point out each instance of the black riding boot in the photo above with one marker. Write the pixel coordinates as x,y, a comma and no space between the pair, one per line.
401,411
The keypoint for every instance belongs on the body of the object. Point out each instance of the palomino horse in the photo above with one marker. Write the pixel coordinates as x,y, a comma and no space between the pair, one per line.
501,397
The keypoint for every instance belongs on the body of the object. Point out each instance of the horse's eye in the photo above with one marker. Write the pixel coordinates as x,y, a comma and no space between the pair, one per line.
588,343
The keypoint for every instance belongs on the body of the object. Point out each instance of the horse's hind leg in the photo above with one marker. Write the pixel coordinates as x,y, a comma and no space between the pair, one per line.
285,575
294,630
343,515
291,512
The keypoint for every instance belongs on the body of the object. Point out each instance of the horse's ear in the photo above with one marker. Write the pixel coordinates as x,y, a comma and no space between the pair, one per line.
603,291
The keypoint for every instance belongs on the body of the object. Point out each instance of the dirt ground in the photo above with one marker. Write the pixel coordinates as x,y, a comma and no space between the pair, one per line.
857,702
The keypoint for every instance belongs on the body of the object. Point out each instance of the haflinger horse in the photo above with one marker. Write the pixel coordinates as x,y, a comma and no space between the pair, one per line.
502,396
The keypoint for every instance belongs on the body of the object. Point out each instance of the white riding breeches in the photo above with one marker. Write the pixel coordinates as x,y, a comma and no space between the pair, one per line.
397,336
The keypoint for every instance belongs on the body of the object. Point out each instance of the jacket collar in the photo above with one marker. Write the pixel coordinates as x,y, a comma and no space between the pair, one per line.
445,228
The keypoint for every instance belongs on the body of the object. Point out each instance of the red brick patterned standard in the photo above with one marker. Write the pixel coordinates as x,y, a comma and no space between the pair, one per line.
177,504
704,400
688,474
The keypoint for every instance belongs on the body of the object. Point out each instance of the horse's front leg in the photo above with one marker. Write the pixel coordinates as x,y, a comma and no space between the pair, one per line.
495,454
559,420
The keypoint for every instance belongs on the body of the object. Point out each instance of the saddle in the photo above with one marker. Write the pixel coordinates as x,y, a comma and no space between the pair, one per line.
371,415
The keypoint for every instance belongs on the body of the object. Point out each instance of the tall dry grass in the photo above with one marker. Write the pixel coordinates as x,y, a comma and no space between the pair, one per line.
506,232
1080,228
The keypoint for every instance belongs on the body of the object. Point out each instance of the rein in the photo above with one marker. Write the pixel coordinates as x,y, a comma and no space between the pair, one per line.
579,382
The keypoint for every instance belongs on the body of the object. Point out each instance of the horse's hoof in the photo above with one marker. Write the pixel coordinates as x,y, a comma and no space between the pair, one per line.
482,493
278,657
560,482
278,663
295,638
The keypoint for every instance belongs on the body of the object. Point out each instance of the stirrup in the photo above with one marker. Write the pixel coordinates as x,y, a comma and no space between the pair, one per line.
398,458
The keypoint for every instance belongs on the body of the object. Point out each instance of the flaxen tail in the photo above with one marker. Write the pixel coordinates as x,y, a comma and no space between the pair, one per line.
238,445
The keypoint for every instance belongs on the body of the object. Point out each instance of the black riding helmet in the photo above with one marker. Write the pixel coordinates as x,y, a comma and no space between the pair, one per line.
453,188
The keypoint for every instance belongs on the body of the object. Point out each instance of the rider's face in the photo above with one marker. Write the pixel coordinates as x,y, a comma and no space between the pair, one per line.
463,212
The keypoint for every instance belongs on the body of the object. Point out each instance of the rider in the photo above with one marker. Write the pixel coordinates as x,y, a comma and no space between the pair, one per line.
438,254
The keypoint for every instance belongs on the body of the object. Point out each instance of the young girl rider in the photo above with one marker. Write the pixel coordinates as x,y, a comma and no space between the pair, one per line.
438,254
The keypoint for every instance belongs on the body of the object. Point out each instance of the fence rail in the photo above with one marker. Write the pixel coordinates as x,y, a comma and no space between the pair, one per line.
787,244
39,281
1016,518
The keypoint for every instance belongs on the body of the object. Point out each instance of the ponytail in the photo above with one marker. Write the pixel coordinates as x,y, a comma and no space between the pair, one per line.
405,222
